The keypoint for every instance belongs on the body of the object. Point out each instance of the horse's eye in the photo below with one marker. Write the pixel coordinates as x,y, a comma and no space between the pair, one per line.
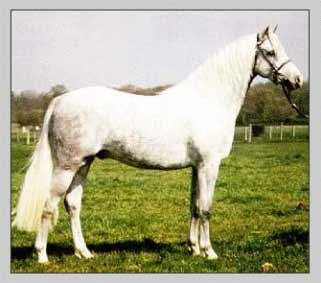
270,53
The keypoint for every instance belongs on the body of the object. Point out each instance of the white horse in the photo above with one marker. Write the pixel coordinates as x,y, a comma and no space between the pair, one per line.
188,125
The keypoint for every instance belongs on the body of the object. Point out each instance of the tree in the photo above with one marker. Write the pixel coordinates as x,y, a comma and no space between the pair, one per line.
29,106
57,90
266,104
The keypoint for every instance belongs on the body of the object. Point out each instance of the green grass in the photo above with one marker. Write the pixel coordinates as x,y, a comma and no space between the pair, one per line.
137,220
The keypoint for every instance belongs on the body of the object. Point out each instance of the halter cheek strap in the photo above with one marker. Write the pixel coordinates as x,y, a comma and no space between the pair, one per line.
275,69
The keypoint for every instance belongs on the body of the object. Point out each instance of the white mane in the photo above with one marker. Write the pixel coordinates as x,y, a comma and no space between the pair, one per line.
225,75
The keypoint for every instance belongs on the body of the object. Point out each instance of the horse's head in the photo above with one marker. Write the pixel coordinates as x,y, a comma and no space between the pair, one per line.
272,62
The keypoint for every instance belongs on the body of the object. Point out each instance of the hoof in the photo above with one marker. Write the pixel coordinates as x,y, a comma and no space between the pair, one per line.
194,249
43,260
42,256
209,254
85,253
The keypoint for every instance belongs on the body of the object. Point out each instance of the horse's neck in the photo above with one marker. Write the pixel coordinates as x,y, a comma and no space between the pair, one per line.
225,77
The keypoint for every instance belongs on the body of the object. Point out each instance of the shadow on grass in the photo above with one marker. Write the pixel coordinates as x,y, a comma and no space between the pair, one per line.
146,245
283,238
292,236
58,249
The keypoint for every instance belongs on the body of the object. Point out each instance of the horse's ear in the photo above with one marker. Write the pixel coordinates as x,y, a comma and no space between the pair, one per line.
267,30
275,28
264,33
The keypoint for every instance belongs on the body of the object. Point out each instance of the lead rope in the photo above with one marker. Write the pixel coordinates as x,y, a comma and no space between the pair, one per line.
293,105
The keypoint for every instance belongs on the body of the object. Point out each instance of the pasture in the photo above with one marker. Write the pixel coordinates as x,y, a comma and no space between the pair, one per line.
137,220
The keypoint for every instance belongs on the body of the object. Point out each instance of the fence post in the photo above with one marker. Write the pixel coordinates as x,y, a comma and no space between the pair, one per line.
293,131
270,132
250,133
28,137
245,133
281,131
18,135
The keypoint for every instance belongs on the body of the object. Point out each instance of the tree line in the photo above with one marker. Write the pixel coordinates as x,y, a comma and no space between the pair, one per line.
264,104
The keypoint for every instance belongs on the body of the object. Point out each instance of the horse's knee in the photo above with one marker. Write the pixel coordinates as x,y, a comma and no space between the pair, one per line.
50,212
47,214
49,209
202,215
72,206
71,209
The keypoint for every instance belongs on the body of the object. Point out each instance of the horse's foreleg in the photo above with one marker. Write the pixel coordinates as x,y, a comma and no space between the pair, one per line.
207,175
73,206
60,182
194,227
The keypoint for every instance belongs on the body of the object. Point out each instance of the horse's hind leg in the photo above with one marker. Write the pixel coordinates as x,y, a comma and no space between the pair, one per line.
73,206
61,180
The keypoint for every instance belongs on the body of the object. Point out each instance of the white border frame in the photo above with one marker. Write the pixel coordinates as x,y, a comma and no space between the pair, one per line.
315,161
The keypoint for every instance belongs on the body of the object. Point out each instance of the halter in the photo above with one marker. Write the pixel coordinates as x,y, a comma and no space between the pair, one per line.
275,69
275,73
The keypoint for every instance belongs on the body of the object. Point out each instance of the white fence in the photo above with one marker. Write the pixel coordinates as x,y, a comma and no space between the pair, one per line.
26,134
272,133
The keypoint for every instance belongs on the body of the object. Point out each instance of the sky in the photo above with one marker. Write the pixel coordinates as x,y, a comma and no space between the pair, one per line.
143,48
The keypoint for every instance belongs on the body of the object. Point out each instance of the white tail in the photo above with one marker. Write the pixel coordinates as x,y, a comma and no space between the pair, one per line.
36,186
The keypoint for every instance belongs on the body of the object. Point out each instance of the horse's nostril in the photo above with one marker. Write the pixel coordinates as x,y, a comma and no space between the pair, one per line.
298,81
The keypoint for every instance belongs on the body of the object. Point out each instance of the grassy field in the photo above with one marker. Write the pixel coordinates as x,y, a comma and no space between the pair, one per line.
137,220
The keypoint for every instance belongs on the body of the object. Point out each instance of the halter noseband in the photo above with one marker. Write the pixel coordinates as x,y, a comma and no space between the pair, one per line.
275,69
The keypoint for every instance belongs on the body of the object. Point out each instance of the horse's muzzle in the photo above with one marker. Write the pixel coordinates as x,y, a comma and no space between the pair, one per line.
293,85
